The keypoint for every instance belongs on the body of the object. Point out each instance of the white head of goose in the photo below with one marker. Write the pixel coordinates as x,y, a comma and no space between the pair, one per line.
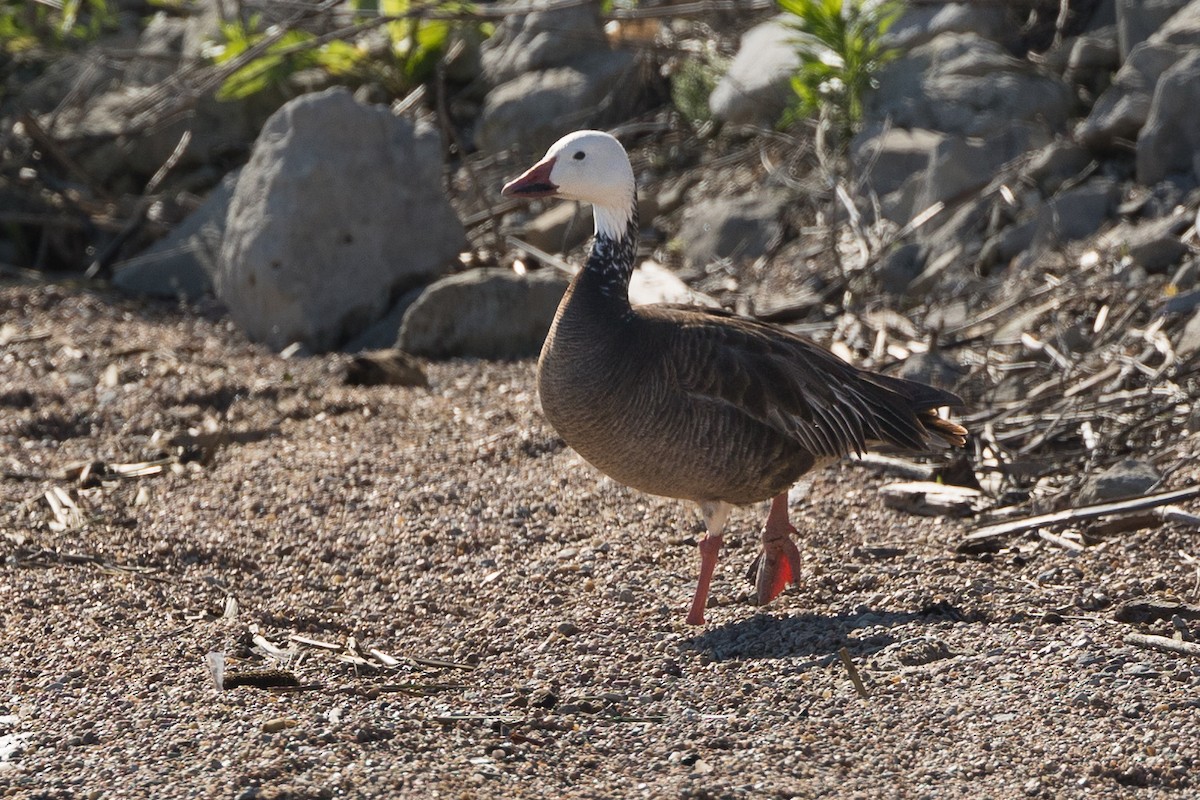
699,404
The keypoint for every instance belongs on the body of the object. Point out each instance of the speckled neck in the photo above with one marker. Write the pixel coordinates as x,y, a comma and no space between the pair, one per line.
610,264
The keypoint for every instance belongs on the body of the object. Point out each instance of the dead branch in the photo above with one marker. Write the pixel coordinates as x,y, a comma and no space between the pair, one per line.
1080,514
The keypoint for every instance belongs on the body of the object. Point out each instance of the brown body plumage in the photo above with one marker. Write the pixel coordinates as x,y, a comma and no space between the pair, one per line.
698,404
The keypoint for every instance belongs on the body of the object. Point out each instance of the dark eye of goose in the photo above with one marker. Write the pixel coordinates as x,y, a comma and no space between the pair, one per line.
580,155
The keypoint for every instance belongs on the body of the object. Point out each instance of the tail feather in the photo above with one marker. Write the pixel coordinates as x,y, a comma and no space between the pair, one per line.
923,401
951,432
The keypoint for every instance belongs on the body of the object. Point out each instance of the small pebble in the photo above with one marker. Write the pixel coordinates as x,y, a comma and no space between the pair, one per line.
278,724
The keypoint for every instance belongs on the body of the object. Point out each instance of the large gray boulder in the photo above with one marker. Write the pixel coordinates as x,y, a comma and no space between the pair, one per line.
541,40
1169,142
552,72
1123,109
757,86
1076,213
118,145
1137,20
340,209
736,228
921,23
963,84
530,112
483,313
911,170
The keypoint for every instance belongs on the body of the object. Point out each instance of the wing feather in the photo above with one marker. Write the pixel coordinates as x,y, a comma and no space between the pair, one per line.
829,407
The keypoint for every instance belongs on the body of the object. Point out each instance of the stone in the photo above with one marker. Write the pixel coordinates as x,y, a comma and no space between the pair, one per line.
559,228
653,283
483,313
1155,245
958,165
912,170
756,89
1137,20
533,110
182,263
1056,163
1123,108
1093,59
1121,111
884,160
382,334
1128,478
1002,248
1169,142
339,210
918,24
737,228
109,139
1189,338
1076,214
390,367
541,40
159,50
964,84
952,247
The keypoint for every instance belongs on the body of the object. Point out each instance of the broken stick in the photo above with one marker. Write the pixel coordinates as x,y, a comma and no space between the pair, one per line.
1163,643
1079,514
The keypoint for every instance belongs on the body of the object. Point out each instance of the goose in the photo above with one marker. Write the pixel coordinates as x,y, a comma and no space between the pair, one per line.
700,404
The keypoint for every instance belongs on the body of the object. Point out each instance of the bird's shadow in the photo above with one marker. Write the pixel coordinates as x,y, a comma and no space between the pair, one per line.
819,636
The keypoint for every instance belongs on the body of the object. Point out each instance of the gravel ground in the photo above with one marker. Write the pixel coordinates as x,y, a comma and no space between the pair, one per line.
534,608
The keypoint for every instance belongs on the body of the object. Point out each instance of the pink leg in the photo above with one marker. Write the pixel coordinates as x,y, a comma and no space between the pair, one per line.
710,546
779,563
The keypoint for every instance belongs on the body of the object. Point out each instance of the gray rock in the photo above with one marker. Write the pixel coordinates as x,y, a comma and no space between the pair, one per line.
885,160
1185,277
964,84
182,263
558,228
1010,242
1189,338
339,209
915,169
1103,15
483,313
534,109
541,40
159,50
738,228
109,138
1169,142
757,87
1128,478
390,367
959,165
1093,59
1077,213
1121,111
1155,245
1056,163
1137,20
653,283
382,334
921,23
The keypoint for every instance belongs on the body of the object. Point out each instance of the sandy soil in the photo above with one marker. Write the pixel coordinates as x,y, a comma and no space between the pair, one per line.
534,609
